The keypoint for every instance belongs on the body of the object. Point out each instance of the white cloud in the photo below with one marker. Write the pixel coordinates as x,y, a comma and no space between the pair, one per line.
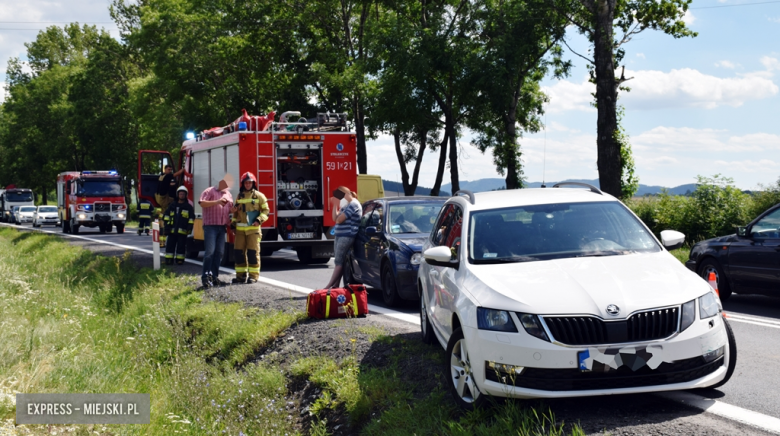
641,55
688,18
2,92
773,19
726,64
748,166
686,139
680,88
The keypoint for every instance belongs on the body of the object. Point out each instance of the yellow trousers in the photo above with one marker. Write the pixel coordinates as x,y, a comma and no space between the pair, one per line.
247,254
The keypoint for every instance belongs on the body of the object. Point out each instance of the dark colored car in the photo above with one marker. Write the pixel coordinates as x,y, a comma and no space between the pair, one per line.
747,262
387,247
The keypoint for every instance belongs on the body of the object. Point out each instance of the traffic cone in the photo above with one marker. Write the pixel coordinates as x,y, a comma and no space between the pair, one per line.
714,283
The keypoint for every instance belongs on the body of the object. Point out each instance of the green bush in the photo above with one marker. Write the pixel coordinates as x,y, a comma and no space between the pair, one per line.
715,208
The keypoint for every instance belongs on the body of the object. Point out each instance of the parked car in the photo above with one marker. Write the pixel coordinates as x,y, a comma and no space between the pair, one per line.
24,214
544,293
386,253
46,215
747,262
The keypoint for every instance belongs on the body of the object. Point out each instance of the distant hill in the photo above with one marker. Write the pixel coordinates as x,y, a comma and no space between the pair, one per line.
492,184
399,188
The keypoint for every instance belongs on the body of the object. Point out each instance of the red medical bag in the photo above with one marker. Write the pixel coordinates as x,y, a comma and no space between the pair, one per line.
338,302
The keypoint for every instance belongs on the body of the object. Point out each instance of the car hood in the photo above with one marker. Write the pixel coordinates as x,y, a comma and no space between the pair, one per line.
413,241
585,285
720,239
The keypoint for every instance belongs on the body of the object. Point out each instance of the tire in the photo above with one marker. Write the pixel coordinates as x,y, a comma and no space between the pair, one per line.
102,228
110,227
74,228
712,265
35,225
191,251
65,226
265,252
305,256
428,337
457,367
227,259
120,228
389,291
732,354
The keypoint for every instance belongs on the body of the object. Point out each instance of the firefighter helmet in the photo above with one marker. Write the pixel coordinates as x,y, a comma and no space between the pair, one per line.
248,176
182,188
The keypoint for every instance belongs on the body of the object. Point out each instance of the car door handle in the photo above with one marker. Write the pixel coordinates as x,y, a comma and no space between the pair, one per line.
434,274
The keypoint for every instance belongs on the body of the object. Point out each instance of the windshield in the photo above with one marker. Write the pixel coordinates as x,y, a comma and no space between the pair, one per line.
556,231
413,217
47,209
99,188
12,196
27,209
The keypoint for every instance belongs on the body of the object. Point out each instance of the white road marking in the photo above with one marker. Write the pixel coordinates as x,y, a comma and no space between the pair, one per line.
412,319
728,411
753,320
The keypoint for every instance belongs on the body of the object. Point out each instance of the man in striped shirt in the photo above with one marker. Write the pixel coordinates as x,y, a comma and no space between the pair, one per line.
347,221
216,204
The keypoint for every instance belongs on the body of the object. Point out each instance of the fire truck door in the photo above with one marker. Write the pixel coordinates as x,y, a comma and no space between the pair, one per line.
151,164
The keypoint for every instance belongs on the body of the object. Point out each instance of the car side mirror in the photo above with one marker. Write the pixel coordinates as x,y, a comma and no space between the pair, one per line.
742,231
440,256
672,239
371,231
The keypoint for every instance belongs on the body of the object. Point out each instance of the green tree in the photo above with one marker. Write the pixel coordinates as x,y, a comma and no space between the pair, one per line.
519,45
598,20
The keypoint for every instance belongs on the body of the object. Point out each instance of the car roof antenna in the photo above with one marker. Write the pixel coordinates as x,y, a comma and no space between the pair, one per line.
544,153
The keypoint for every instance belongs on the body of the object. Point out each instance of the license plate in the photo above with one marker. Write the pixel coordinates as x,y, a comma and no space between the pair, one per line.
582,356
305,235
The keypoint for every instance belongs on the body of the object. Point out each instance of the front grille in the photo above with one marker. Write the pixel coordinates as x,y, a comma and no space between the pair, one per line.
575,380
102,207
115,207
587,330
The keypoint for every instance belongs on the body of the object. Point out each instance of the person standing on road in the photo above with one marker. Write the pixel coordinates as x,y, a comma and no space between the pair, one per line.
249,213
166,194
347,221
216,204
144,216
179,219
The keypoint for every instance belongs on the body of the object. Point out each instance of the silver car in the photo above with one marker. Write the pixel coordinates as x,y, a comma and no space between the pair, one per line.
46,215
25,214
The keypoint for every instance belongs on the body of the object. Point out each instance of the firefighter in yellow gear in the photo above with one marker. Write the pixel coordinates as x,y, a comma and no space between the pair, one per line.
144,216
249,213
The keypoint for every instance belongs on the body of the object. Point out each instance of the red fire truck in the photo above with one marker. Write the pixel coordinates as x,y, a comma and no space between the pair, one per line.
298,163
91,199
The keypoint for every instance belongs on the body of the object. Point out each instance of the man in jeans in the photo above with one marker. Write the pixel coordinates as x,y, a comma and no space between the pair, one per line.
216,204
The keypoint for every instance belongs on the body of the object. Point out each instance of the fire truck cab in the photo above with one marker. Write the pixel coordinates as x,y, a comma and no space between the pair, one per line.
91,199
298,162
14,197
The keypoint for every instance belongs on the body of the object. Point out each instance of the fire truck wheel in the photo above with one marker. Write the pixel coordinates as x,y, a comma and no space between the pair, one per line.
65,226
227,255
102,228
120,228
305,256
74,228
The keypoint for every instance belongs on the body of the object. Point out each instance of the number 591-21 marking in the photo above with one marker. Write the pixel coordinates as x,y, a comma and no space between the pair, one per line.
334,166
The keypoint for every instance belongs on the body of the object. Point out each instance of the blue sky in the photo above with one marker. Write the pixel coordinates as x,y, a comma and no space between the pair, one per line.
701,105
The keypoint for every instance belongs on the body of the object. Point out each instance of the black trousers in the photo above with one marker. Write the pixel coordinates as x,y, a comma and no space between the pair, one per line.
175,245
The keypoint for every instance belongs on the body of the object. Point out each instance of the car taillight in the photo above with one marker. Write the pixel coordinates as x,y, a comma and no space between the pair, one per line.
289,227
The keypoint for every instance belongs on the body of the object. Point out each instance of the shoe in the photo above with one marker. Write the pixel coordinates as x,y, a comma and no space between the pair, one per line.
217,282
238,280
147,233
251,280
206,281
139,233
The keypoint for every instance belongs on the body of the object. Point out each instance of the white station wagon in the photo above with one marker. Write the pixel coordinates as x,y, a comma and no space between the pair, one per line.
564,292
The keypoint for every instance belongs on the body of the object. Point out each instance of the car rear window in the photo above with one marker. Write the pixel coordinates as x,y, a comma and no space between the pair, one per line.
555,231
47,209
27,209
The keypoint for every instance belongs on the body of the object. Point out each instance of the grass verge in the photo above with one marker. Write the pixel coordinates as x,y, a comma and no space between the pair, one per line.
77,322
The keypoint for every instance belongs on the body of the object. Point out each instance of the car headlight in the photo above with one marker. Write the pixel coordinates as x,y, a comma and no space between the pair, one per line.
688,314
709,305
416,258
120,215
498,320
533,326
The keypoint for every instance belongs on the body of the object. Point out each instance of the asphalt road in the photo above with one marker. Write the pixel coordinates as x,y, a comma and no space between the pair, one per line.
755,385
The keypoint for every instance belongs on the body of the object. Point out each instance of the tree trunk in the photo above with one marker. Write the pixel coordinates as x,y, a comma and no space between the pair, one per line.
418,161
606,99
450,131
360,133
44,196
442,164
511,157
401,161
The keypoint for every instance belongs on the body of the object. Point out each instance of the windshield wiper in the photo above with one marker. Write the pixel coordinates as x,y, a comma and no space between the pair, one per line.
604,253
512,259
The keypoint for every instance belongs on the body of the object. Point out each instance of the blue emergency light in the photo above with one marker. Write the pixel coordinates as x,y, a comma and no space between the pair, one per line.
189,135
242,125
